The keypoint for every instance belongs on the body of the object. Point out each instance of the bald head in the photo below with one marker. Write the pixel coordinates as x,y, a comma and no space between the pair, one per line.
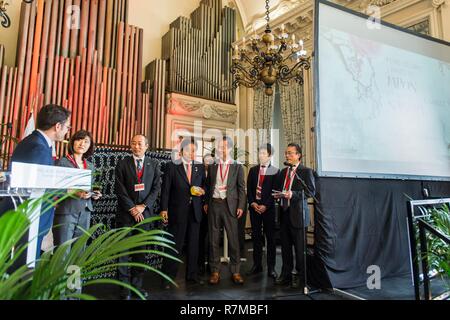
139,145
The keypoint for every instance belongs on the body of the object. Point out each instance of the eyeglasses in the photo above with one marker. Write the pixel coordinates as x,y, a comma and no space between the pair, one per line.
67,126
290,153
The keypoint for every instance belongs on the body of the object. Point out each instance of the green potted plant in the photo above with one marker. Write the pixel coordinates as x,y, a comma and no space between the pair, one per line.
51,278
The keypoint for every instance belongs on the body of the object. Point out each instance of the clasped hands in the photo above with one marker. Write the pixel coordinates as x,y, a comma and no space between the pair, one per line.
259,208
138,212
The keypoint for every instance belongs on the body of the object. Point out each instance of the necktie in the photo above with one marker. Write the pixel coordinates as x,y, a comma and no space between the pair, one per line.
285,202
139,164
260,183
189,172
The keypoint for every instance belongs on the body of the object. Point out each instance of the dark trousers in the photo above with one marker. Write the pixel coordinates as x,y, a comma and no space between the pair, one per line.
203,242
241,229
292,238
263,223
220,216
132,275
181,231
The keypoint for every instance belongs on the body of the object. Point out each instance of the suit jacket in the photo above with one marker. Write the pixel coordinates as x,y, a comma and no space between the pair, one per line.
176,195
71,205
268,185
126,179
296,205
33,149
236,198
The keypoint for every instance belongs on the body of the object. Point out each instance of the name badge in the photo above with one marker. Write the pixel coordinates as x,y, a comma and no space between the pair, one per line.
139,187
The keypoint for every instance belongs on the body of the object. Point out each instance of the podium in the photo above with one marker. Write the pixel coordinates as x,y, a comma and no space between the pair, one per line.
31,181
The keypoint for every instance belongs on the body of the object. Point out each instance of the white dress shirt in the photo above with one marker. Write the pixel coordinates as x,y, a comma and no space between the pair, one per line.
49,141
220,189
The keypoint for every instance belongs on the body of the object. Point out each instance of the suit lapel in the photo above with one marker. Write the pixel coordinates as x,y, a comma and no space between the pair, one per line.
182,172
214,170
231,174
132,169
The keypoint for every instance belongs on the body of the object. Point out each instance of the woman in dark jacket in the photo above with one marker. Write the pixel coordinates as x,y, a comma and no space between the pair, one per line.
74,214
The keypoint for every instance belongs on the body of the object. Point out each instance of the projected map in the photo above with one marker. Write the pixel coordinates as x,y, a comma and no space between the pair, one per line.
383,110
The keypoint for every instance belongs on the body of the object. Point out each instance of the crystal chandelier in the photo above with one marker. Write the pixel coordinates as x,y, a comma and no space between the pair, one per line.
271,59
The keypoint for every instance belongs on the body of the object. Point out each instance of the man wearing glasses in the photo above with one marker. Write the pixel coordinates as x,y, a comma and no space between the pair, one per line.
52,124
291,183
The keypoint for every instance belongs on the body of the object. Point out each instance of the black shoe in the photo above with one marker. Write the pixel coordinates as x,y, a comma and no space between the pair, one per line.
197,281
283,280
255,270
272,274
125,295
296,283
194,280
201,269
143,292
165,285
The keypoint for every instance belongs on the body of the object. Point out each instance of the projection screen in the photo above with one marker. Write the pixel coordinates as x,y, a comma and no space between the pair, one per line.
382,99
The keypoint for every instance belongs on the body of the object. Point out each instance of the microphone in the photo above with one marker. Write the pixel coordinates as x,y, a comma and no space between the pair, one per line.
287,164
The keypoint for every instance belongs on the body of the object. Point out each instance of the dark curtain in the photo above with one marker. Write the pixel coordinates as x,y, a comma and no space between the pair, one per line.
362,222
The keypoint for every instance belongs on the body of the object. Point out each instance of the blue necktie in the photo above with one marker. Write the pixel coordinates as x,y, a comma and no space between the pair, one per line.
139,165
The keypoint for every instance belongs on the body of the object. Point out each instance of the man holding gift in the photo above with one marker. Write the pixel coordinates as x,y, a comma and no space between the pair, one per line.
181,208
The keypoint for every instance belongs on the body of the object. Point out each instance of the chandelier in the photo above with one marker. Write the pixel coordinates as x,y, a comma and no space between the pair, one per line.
271,59
5,20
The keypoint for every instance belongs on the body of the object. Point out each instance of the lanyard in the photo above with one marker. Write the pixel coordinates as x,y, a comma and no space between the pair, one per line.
262,176
289,178
72,160
222,176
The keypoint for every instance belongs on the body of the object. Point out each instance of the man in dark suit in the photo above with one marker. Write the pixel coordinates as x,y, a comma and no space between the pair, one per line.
225,204
181,208
294,215
52,123
138,182
260,183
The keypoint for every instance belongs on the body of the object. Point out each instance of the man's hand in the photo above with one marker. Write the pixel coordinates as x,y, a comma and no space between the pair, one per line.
165,216
137,213
139,218
97,195
239,213
83,195
205,208
262,209
288,195
139,209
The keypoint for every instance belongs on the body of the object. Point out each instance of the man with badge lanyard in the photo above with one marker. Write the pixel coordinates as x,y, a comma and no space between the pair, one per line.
260,183
181,208
138,183
225,203
293,227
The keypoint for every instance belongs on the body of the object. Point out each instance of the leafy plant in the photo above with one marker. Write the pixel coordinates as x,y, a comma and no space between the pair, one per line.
438,250
49,280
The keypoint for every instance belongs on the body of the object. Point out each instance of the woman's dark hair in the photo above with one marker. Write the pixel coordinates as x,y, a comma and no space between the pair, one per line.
80,135
50,115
